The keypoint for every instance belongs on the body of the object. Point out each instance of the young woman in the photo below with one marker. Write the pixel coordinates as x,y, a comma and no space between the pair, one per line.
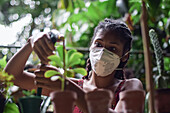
109,53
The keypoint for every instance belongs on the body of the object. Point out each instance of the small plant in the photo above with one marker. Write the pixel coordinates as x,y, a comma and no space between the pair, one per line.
5,78
65,61
162,79
5,84
29,93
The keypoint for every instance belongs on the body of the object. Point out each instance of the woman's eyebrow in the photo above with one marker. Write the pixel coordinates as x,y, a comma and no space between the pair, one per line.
99,39
114,43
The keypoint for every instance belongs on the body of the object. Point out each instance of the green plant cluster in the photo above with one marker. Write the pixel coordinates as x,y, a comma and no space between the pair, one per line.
5,84
5,78
72,58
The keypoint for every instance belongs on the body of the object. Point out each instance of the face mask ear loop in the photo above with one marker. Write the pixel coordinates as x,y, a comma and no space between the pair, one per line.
124,55
119,69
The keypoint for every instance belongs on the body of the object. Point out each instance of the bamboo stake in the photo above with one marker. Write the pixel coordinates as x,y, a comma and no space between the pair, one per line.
147,57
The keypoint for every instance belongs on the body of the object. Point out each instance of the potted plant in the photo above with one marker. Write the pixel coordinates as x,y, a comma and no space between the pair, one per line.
30,103
7,105
63,100
162,92
102,97
129,97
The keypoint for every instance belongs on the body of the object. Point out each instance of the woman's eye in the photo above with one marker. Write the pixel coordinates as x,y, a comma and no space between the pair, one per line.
112,49
98,44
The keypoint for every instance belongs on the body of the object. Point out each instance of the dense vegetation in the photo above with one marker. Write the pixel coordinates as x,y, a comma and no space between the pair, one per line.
76,19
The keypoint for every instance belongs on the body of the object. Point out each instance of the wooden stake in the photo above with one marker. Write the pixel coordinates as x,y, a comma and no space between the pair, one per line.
147,57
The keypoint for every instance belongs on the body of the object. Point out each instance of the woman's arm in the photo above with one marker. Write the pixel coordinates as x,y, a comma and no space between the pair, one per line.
43,46
15,66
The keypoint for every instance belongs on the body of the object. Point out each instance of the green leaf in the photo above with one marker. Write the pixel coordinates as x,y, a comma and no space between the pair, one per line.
78,61
3,62
69,53
70,6
56,59
60,51
82,62
26,93
80,70
79,4
75,59
33,91
167,63
51,73
11,108
70,73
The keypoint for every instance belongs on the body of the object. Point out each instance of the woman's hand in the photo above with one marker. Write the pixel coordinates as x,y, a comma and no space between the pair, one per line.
43,82
42,45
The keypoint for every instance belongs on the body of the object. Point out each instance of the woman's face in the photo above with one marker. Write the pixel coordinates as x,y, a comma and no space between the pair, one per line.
109,41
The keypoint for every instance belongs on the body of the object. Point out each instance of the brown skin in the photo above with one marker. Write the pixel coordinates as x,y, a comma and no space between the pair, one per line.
26,80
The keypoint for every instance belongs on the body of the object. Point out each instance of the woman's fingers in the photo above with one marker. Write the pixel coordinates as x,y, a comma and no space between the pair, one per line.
43,47
47,83
49,44
48,67
39,73
43,80
41,56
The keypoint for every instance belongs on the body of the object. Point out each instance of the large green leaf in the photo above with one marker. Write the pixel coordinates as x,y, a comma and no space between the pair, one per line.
99,10
80,70
11,108
60,51
69,53
95,12
78,61
56,61
75,57
51,73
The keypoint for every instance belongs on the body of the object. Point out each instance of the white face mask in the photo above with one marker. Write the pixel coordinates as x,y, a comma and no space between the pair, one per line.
103,61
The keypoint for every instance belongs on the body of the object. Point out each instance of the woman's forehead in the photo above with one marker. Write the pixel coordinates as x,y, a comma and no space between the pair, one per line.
110,37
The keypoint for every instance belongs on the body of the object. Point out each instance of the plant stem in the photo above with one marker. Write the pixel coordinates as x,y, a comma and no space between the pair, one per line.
64,67
62,84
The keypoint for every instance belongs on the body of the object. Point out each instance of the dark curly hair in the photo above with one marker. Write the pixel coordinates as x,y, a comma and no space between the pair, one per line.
120,29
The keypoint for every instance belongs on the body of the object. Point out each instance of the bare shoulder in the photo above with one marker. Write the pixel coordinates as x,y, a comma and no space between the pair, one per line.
133,83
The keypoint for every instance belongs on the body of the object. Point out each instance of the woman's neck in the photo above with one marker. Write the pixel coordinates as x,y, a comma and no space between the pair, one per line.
103,82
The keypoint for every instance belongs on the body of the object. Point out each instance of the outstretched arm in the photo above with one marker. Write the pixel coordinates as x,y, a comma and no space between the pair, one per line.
43,46
16,64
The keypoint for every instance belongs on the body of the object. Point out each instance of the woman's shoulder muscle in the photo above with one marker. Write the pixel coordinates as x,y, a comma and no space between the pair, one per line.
133,83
